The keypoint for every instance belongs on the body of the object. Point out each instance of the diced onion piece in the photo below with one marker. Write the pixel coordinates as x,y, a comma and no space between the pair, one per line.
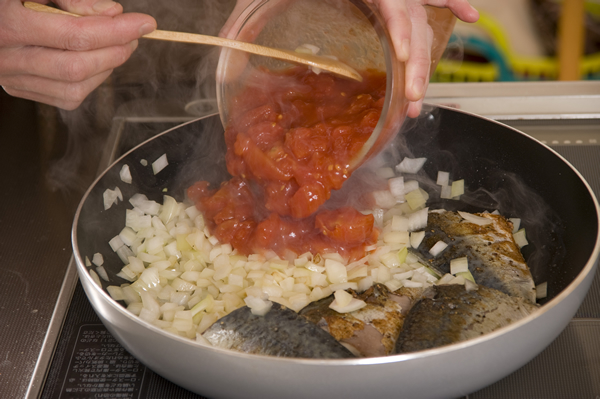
541,290
438,248
446,192
520,238
416,237
102,273
396,237
95,277
412,284
98,259
470,285
396,186
116,243
125,174
109,198
459,265
410,185
516,222
466,275
478,220
416,198
115,292
336,271
410,165
169,210
446,278
418,220
384,199
354,305
385,173
342,298
399,223
160,164
258,306
443,178
458,188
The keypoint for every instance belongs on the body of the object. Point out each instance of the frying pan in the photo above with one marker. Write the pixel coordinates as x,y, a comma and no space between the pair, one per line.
503,169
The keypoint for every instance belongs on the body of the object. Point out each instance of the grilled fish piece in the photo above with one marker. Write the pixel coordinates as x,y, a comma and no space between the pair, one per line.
495,261
370,331
454,314
281,332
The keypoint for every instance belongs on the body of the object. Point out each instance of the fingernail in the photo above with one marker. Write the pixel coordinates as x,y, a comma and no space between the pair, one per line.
147,28
103,6
418,87
134,45
404,50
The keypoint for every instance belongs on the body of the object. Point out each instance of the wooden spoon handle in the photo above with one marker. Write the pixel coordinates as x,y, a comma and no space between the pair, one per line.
327,64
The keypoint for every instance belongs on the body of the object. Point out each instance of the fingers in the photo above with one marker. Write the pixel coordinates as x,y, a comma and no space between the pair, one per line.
60,94
418,65
399,24
461,8
91,7
82,34
61,65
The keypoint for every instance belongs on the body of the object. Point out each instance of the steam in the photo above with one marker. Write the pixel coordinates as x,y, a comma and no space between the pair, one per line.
170,75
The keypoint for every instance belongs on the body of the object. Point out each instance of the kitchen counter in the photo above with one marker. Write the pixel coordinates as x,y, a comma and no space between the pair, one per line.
35,244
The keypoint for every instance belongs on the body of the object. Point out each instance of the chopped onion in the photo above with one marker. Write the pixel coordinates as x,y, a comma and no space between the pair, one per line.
416,199
516,224
418,220
125,174
478,220
438,248
446,192
342,298
416,237
458,188
541,290
258,306
336,271
102,273
396,186
110,197
98,259
385,173
384,199
443,178
410,185
459,265
160,164
354,305
520,238
95,277
410,165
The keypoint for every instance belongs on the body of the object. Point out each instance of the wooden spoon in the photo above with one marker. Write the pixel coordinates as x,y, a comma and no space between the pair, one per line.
324,63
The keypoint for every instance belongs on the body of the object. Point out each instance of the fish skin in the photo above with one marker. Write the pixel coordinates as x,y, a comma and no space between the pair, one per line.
454,314
495,260
370,331
280,332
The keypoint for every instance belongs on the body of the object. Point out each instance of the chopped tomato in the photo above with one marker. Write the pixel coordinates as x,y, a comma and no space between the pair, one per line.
293,134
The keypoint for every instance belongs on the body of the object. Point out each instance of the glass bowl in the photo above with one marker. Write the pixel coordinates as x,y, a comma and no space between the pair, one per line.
351,30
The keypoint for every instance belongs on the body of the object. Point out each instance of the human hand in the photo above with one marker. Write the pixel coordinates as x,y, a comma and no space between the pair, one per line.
416,31
413,35
60,59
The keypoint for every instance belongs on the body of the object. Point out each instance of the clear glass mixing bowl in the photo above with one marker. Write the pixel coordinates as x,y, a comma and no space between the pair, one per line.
351,30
